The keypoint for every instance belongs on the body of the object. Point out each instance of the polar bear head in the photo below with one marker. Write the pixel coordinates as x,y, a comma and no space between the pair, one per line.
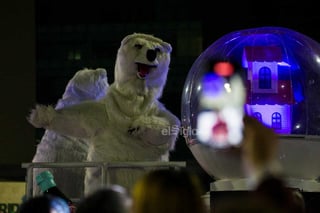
86,84
145,58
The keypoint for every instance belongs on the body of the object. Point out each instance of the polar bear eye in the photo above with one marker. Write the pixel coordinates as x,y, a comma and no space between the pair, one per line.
138,46
157,50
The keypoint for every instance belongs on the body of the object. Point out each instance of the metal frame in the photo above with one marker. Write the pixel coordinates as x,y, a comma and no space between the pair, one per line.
104,167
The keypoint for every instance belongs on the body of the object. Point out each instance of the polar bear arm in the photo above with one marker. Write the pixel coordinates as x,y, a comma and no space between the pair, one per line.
83,120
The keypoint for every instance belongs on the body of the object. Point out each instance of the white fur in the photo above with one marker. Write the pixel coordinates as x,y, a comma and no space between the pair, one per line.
86,84
129,124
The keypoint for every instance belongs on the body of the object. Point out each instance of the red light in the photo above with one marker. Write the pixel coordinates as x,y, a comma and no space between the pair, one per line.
224,69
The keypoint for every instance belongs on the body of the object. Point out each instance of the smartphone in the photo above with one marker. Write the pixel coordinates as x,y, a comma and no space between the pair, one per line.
221,107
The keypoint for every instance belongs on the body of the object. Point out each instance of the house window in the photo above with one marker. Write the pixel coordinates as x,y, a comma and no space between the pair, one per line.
258,116
276,120
264,78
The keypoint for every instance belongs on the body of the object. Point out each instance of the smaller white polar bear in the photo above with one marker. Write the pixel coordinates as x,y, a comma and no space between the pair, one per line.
86,84
130,123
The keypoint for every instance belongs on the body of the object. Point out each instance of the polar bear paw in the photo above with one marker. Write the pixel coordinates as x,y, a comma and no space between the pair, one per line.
143,124
41,116
151,129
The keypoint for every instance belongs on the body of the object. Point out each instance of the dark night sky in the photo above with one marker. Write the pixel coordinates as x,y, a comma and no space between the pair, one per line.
101,11
223,16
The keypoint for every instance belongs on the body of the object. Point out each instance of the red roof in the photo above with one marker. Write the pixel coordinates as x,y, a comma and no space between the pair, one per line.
263,53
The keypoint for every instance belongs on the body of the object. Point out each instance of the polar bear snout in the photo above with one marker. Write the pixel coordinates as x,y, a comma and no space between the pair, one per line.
152,54
147,61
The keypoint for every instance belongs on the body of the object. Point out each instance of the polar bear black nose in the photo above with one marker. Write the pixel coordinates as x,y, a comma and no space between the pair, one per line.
151,55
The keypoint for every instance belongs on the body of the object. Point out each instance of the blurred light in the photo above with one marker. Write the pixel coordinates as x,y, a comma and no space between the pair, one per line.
224,69
227,87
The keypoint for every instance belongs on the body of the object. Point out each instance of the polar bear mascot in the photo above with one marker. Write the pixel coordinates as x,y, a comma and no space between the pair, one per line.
129,123
86,84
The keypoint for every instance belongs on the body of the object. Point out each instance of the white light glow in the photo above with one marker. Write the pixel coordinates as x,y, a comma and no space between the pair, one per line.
285,64
227,87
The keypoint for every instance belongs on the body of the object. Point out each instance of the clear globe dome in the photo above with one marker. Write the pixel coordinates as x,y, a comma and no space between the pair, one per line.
280,69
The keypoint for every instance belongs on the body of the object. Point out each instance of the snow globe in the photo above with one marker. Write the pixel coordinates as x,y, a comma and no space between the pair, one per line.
280,69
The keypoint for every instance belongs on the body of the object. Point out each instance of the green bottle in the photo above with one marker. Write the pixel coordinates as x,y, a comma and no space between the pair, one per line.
47,185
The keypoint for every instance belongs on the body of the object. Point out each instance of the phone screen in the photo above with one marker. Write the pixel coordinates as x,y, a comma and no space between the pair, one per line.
220,116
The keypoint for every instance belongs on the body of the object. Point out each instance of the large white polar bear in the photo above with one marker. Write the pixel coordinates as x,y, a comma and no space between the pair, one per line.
130,123
86,84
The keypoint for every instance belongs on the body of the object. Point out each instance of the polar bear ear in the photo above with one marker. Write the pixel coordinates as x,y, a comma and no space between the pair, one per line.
128,38
166,47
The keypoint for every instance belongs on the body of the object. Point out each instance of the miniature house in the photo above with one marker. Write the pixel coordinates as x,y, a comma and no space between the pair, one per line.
269,88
